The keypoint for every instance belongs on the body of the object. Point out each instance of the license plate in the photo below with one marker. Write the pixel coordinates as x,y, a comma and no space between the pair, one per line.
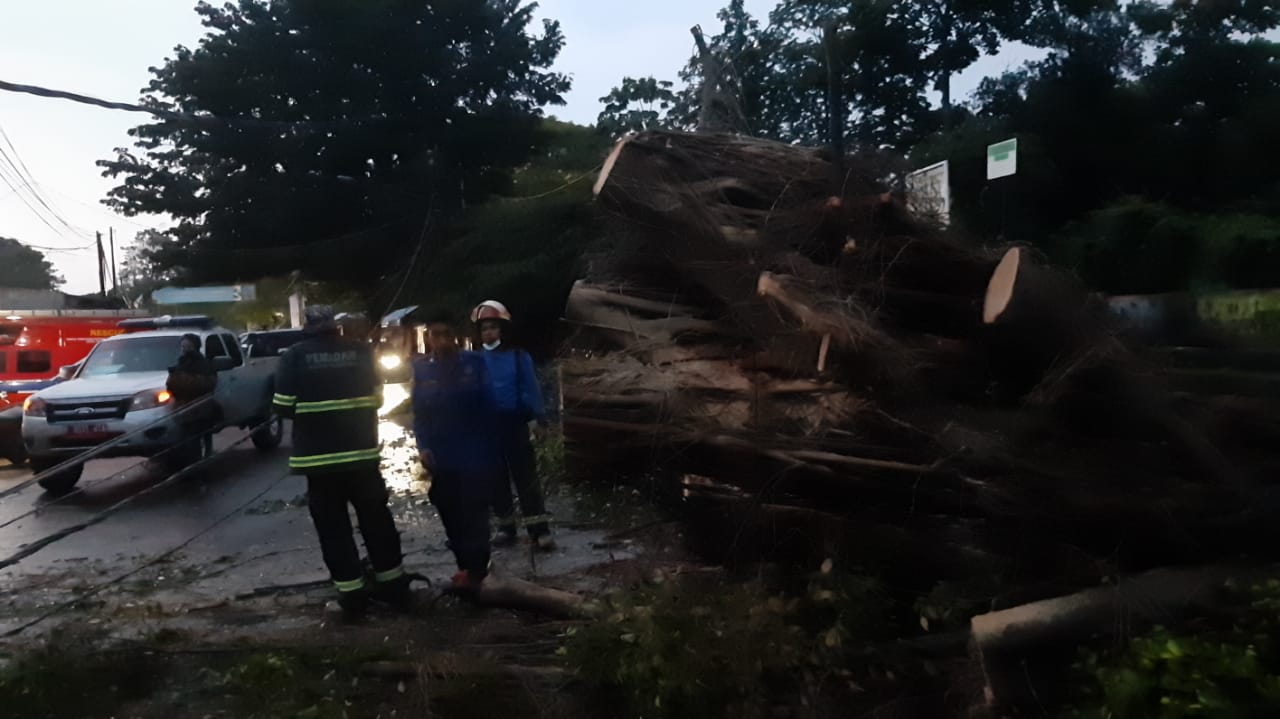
88,430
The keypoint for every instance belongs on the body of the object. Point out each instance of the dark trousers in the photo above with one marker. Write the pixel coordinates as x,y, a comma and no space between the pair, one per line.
520,467
327,497
199,423
462,498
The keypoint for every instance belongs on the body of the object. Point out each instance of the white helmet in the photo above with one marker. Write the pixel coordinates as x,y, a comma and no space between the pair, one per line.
490,310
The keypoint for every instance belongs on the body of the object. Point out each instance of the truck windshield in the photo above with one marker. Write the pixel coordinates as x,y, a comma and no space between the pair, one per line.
138,354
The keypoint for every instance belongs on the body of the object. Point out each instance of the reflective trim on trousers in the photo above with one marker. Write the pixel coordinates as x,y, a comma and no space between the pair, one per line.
339,405
389,575
323,460
284,400
350,586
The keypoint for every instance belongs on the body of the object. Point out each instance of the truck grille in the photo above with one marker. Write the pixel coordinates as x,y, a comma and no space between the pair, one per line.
89,411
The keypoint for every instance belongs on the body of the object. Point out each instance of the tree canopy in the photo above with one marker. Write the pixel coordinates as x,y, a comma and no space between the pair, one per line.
24,267
1146,158
349,124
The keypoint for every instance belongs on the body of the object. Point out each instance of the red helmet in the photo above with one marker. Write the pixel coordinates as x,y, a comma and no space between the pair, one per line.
490,310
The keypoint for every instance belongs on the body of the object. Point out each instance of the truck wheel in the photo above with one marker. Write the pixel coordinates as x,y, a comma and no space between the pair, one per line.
269,436
59,483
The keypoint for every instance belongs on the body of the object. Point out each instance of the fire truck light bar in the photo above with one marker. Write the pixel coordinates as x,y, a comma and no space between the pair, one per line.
166,322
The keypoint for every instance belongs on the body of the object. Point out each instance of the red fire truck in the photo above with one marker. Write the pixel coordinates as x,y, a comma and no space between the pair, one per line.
34,346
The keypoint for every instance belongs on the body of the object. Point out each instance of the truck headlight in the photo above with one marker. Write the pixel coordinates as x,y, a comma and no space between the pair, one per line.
151,399
390,362
34,407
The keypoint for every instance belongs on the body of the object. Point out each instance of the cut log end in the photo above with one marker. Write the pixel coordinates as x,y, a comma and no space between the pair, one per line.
609,162
1000,288
767,285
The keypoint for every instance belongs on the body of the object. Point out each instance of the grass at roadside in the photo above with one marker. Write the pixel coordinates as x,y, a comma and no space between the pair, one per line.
77,676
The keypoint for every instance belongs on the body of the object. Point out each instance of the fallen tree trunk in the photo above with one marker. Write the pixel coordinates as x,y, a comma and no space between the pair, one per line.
1006,644
806,346
513,593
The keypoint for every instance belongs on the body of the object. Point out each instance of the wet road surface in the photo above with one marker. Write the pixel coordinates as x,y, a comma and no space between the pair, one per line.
256,534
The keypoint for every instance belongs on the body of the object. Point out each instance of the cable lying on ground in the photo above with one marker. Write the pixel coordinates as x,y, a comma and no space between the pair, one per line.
97,451
61,534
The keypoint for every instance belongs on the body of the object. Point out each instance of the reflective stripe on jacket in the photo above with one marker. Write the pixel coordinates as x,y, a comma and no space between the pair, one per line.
330,388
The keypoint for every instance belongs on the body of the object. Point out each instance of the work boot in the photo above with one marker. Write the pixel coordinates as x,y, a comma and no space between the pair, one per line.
394,593
505,537
463,582
540,535
355,604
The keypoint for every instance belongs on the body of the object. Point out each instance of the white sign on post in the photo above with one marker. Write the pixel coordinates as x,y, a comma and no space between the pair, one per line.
929,192
1002,159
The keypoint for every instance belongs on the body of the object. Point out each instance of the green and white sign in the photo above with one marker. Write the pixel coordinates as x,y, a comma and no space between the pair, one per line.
1002,159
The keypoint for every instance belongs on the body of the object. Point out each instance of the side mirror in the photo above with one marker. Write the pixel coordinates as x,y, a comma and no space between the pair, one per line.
222,364
67,372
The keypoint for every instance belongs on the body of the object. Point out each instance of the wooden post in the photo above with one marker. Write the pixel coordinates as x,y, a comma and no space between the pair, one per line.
835,100
102,268
115,278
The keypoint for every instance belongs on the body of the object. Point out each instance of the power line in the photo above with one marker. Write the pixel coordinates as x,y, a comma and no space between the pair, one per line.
30,185
117,217
99,588
5,178
185,117
12,177
23,173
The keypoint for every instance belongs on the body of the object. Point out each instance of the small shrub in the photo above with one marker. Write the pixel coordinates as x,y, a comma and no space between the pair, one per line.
72,676
1230,671
681,650
549,452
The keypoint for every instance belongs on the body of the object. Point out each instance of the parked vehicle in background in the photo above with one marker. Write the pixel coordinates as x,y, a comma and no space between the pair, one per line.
396,341
120,388
35,345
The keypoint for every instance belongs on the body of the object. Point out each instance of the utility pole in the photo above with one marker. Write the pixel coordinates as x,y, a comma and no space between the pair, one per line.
115,280
102,268
835,99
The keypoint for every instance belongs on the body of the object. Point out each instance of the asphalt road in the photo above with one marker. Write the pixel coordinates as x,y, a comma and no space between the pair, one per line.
253,526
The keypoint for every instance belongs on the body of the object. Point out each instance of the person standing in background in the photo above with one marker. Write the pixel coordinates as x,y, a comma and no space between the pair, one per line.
190,380
519,402
453,420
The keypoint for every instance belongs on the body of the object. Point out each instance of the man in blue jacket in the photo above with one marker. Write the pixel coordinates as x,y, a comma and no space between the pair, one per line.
519,402
454,419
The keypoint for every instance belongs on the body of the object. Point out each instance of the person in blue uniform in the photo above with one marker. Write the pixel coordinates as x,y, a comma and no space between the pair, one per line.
519,403
453,420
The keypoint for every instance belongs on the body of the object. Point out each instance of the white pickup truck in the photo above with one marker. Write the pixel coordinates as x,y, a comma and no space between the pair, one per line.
120,388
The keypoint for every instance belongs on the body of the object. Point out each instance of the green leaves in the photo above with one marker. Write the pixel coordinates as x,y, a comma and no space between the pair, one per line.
636,105
1164,674
25,267
395,111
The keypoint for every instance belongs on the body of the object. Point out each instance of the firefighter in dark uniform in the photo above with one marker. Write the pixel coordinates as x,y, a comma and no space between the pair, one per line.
330,388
